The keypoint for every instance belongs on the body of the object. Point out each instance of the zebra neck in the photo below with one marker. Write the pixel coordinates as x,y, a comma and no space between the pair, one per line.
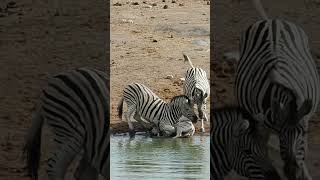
171,113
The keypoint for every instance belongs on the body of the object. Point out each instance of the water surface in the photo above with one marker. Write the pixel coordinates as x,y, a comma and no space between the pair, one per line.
159,158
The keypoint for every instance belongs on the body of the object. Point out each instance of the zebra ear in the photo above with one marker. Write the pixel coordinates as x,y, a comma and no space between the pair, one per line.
305,109
242,127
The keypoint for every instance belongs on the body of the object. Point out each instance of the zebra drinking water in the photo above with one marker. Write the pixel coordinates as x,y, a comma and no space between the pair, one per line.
197,88
144,105
236,144
277,82
76,106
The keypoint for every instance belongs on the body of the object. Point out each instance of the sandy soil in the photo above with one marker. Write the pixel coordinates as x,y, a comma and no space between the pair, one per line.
232,18
147,42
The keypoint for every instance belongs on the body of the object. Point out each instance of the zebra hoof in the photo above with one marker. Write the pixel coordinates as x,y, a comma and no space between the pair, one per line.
202,130
132,133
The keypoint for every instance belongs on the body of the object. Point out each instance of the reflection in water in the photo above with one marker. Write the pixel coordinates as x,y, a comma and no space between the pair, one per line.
160,158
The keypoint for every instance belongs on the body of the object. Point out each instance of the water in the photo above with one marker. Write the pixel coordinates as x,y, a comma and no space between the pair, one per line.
160,158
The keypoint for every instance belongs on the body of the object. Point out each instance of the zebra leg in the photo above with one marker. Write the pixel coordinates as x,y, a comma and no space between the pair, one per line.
168,129
59,163
85,171
179,133
128,115
202,116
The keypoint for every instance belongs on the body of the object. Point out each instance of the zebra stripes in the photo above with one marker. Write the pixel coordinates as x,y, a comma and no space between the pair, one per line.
76,106
197,88
184,128
236,145
146,106
277,82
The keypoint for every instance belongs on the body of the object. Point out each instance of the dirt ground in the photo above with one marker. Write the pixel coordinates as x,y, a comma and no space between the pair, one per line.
147,42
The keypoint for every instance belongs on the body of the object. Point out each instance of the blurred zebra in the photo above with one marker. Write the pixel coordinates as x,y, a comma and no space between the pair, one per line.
184,127
197,88
144,105
236,144
76,107
277,82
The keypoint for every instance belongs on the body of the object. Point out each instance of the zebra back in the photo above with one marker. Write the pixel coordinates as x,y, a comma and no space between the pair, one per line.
196,78
275,52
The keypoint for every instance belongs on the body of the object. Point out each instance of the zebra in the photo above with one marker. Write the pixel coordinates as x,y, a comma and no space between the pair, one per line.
197,88
184,127
236,144
75,105
145,105
277,82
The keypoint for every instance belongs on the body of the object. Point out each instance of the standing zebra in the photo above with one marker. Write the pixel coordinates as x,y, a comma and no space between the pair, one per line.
236,145
277,82
76,106
197,88
142,103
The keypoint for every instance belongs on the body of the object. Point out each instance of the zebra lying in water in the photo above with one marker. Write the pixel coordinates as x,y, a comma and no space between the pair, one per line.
144,105
197,88
184,127
76,106
236,144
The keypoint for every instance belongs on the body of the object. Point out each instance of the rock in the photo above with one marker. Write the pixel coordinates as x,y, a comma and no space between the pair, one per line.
147,6
173,1
169,77
165,7
117,4
182,79
154,40
208,3
135,3
181,4
163,0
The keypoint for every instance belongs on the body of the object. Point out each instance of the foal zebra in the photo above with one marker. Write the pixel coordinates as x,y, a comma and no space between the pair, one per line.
236,145
184,128
76,106
277,81
197,88
142,103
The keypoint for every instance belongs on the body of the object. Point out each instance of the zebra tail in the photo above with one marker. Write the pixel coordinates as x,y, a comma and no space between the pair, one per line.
32,148
257,4
186,58
120,108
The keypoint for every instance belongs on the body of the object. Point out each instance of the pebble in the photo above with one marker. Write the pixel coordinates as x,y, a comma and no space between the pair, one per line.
154,40
165,7
173,1
147,6
154,4
169,77
117,4
181,4
135,3
163,0
208,3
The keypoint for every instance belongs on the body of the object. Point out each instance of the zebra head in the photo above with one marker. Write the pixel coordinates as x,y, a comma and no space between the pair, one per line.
293,137
182,106
253,161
